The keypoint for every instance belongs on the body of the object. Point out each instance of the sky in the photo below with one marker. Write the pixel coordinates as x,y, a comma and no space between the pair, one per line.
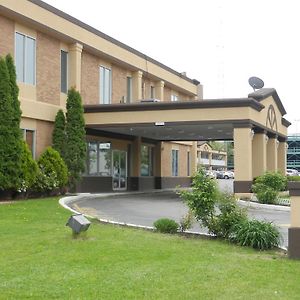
220,43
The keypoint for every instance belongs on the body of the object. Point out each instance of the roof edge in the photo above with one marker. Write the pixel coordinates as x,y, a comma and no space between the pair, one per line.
99,33
146,106
264,93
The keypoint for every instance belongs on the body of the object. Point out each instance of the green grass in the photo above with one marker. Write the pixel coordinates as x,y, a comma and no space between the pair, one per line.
40,260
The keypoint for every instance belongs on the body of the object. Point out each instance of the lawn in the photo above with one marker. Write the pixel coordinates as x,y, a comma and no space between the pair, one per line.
40,260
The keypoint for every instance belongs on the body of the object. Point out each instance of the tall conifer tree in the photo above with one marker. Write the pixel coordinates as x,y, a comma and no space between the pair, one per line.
59,134
75,149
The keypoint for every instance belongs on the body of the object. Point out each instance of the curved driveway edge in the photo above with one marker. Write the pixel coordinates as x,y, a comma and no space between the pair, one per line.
263,206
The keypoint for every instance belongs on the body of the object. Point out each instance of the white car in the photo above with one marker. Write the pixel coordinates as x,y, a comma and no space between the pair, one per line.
292,172
228,174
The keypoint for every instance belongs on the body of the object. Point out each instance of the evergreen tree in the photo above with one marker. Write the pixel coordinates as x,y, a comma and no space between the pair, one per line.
59,135
10,143
75,150
14,90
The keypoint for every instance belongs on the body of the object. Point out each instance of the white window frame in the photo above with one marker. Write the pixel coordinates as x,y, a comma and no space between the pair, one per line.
102,84
24,56
24,130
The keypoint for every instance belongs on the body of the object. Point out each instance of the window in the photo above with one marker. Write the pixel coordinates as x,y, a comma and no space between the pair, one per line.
29,138
25,58
175,162
129,90
99,159
63,71
146,161
105,85
188,163
174,97
152,92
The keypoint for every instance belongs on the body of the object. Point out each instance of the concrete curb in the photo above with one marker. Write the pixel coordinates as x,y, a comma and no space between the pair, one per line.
263,206
65,201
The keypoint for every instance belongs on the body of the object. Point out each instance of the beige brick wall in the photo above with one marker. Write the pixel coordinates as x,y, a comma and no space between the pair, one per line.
167,94
167,159
7,34
119,84
48,69
89,78
43,136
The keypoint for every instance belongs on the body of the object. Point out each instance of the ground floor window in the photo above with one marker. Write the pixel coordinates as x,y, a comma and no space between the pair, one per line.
188,162
175,162
146,161
99,159
29,138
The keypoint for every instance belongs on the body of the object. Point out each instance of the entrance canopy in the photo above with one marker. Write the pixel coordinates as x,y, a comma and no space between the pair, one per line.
192,120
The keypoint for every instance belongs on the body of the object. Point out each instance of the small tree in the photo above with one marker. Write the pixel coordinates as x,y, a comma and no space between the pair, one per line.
10,144
14,90
75,153
59,134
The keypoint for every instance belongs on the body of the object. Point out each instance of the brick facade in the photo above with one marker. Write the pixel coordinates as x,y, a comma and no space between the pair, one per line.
89,78
43,136
119,84
48,69
7,34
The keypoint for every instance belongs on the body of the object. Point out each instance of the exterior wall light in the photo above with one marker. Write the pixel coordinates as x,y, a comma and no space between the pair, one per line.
78,223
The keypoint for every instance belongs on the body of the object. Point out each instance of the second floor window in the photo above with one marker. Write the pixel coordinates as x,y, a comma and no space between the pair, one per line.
174,97
63,71
105,85
25,58
152,92
129,90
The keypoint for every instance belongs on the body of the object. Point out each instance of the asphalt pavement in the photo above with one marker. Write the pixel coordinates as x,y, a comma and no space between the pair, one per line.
145,208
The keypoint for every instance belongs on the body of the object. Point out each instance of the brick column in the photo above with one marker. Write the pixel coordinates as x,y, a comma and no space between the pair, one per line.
137,85
157,165
272,154
281,158
294,230
159,90
194,158
243,159
75,51
259,154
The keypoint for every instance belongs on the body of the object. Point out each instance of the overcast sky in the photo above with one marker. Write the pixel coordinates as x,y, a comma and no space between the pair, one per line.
220,43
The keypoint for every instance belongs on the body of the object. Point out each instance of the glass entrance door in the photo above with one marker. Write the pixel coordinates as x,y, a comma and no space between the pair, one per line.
119,180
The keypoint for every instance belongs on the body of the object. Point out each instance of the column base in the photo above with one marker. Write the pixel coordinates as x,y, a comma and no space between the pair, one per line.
294,242
241,187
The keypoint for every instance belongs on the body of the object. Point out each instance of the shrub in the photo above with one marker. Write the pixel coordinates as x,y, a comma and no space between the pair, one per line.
53,173
29,169
265,194
230,215
165,225
274,180
256,234
202,199
267,187
59,134
186,221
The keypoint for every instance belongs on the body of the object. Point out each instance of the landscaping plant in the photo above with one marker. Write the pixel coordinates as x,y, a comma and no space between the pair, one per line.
166,225
268,186
59,133
75,147
259,235
186,222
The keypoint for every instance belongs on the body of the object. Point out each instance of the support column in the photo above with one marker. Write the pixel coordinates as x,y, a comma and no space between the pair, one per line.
194,158
137,85
157,165
272,154
294,229
159,90
136,164
281,158
75,51
259,154
243,159
209,160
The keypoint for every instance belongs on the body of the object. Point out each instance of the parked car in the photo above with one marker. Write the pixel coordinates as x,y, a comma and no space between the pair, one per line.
292,172
210,174
220,174
225,174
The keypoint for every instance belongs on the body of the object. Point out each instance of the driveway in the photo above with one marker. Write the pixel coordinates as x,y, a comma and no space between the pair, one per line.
145,208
